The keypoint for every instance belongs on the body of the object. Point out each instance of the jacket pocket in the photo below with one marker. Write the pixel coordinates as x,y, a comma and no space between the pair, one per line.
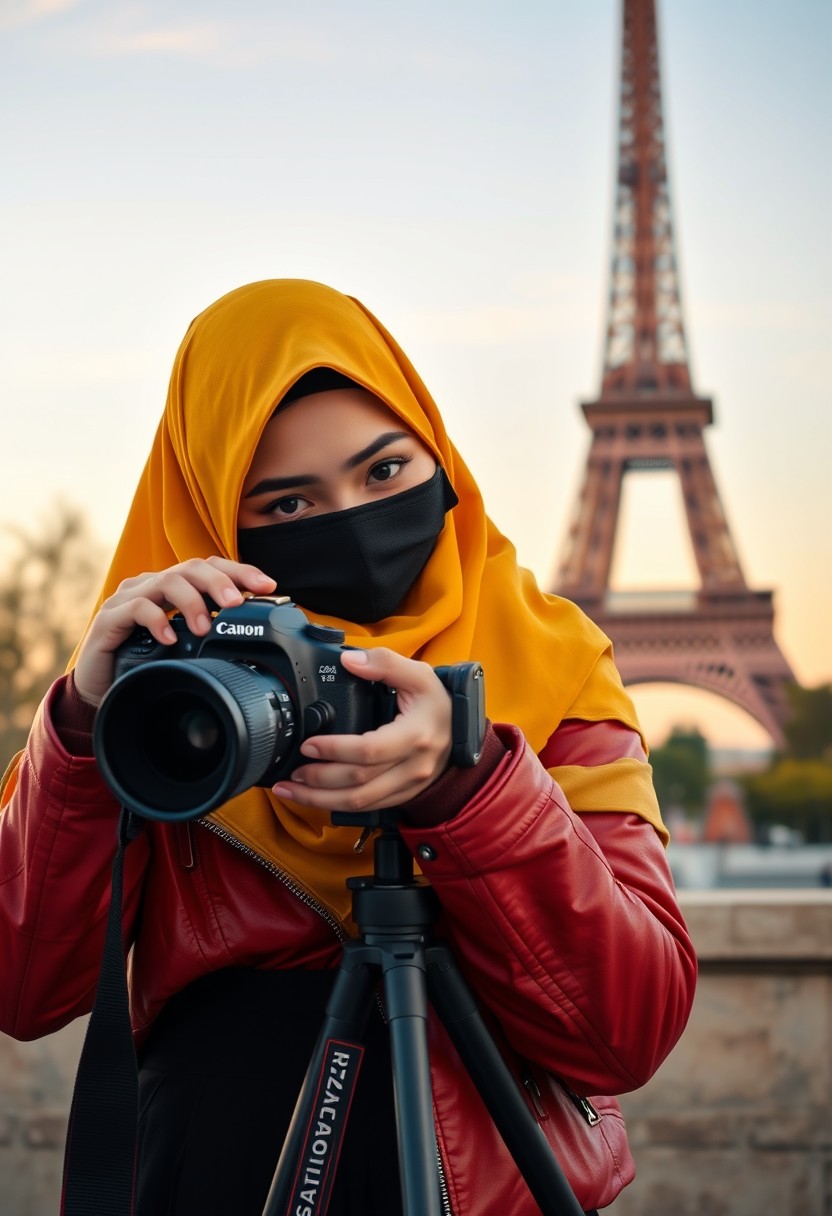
586,1134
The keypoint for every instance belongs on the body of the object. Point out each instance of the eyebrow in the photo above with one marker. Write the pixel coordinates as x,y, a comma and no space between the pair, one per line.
270,484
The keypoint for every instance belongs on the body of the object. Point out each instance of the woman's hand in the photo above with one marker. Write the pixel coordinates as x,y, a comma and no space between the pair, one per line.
147,599
387,766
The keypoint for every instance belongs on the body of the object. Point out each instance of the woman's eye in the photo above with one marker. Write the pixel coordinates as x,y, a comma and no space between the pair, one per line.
386,470
287,506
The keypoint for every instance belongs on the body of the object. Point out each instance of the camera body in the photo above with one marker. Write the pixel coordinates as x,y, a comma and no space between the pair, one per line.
313,692
187,726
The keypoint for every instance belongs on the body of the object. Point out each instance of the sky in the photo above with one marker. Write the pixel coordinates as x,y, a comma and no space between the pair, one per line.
450,164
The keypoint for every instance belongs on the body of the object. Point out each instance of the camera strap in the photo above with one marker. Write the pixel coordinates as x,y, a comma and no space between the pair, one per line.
100,1153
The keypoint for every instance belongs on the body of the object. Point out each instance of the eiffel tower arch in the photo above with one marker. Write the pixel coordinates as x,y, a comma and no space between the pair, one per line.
720,637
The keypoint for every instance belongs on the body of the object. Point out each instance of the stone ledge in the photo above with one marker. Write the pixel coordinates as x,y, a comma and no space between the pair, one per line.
689,1131
45,1130
779,925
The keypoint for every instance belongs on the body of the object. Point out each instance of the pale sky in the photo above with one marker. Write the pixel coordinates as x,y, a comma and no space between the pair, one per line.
451,164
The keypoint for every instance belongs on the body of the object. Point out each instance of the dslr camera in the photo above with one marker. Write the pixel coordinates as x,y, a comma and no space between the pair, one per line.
186,726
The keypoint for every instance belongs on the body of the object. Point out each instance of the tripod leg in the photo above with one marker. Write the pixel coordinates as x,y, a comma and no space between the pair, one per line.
405,991
453,1001
339,1037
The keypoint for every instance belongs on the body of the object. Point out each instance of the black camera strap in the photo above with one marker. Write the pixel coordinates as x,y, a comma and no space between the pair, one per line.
100,1153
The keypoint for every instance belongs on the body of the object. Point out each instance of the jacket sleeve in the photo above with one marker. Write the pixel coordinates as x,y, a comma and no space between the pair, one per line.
57,843
566,925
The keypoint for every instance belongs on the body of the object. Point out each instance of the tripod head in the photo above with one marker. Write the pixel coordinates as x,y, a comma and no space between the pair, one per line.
392,901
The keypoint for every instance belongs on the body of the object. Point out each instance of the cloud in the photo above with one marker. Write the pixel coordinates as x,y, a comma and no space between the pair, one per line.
138,30
144,28
199,39
17,13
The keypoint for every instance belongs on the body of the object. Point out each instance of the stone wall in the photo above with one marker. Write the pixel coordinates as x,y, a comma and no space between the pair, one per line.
36,1082
737,1122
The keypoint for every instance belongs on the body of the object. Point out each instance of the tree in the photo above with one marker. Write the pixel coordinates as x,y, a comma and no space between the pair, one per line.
797,793
796,790
46,595
680,770
809,729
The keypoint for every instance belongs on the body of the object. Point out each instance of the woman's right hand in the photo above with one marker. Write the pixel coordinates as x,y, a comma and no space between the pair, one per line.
147,599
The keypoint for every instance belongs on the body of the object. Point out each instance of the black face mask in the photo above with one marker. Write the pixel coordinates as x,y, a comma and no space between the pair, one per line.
357,564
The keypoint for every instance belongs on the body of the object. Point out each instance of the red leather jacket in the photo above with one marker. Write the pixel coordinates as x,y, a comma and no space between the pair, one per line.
566,926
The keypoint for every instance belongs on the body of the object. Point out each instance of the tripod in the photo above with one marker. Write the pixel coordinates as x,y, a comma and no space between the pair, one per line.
395,913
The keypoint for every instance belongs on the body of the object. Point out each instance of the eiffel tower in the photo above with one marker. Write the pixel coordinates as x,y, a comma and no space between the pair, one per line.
648,417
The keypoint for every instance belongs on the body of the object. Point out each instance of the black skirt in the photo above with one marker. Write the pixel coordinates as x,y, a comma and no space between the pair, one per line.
219,1076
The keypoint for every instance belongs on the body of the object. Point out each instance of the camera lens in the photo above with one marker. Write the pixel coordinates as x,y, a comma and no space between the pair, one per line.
180,740
201,730
175,740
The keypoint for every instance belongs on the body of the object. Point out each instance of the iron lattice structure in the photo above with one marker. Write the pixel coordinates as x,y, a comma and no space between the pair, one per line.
720,637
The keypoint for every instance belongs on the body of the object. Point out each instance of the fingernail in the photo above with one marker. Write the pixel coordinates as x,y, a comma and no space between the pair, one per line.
281,791
358,656
203,622
168,634
309,749
230,595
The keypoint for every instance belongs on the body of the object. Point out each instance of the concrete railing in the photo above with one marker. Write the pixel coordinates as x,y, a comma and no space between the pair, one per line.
737,1122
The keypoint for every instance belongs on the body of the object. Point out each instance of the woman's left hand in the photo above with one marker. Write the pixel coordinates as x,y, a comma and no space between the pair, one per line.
383,767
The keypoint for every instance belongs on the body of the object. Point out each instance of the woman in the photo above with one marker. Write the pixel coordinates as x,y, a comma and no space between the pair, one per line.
300,453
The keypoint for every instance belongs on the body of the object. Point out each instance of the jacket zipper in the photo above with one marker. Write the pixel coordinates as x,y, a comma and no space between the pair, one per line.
443,1185
582,1105
185,844
297,890
303,895
533,1090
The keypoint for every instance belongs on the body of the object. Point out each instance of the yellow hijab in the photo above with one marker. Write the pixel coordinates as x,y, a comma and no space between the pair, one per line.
543,659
